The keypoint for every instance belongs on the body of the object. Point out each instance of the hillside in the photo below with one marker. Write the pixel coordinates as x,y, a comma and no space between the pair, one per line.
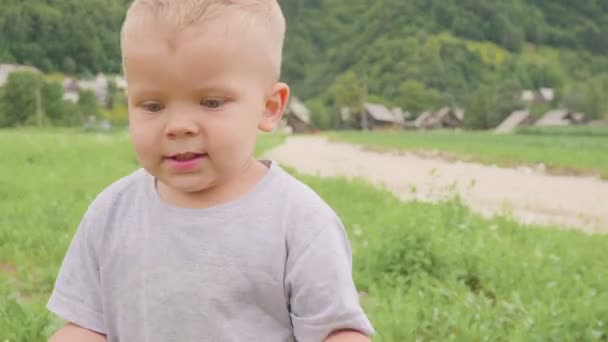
416,53
420,53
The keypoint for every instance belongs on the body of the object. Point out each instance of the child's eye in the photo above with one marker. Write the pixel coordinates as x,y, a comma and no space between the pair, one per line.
153,107
213,103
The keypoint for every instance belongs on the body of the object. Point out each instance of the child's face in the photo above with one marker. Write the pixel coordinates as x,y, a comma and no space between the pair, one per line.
196,102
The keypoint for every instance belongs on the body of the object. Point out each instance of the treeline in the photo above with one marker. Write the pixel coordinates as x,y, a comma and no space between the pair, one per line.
72,36
423,54
32,99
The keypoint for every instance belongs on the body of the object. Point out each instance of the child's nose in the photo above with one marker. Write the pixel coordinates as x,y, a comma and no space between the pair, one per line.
181,127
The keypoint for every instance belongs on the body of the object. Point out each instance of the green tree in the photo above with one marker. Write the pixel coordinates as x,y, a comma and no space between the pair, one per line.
69,66
479,107
589,98
113,95
416,98
349,91
489,106
322,116
88,104
536,73
52,99
18,102
59,111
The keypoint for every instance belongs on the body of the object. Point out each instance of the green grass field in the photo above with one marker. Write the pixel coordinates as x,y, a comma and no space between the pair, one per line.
572,151
584,131
431,272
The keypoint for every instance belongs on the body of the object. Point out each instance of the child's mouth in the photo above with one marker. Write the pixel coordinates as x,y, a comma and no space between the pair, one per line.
186,161
186,156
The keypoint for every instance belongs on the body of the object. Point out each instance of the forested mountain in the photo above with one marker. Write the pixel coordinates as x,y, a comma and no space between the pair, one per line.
412,53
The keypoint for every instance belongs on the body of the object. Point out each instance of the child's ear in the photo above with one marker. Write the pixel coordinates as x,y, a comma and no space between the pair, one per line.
274,107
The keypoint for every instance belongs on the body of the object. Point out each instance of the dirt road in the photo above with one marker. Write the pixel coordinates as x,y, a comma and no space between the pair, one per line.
529,196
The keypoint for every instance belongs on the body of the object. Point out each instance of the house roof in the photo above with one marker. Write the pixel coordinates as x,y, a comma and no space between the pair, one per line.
547,94
299,109
446,111
513,121
459,113
423,118
560,117
557,117
380,113
441,113
542,94
527,95
578,117
399,114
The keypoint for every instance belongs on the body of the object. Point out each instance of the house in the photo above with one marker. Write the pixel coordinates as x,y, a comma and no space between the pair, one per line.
99,86
400,114
540,95
345,114
561,117
298,116
406,117
517,119
70,90
71,97
450,117
546,94
376,116
121,82
446,117
7,69
422,119
528,96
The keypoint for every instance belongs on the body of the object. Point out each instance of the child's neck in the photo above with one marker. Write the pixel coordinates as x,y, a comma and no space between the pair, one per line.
229,190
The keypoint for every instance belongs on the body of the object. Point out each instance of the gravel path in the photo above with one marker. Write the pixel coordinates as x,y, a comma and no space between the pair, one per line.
529,196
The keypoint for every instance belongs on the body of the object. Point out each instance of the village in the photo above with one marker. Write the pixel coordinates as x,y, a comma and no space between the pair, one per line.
371,117
378,117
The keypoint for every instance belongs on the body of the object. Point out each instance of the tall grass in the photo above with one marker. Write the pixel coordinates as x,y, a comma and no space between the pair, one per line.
431,272
439,272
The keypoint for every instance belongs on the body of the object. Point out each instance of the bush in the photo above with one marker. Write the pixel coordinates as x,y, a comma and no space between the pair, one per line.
18,102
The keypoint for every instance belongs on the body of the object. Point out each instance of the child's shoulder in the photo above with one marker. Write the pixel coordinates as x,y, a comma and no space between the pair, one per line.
305,212
299,196
122,190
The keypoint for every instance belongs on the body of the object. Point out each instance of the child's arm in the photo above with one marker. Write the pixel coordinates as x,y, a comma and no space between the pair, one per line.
347,336
73,333
77,295
324,304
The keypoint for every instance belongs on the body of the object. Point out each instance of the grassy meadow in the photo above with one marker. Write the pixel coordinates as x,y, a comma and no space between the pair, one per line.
570,150
431,272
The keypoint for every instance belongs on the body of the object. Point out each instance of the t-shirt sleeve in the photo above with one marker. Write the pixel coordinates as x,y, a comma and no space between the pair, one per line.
322,294
76,296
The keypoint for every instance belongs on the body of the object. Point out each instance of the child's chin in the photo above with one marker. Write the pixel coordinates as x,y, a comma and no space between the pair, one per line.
190,186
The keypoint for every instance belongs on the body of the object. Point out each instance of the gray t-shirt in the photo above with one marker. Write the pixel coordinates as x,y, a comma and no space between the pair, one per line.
273,265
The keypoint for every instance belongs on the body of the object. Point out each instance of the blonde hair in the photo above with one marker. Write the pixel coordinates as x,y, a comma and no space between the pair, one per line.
176,15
